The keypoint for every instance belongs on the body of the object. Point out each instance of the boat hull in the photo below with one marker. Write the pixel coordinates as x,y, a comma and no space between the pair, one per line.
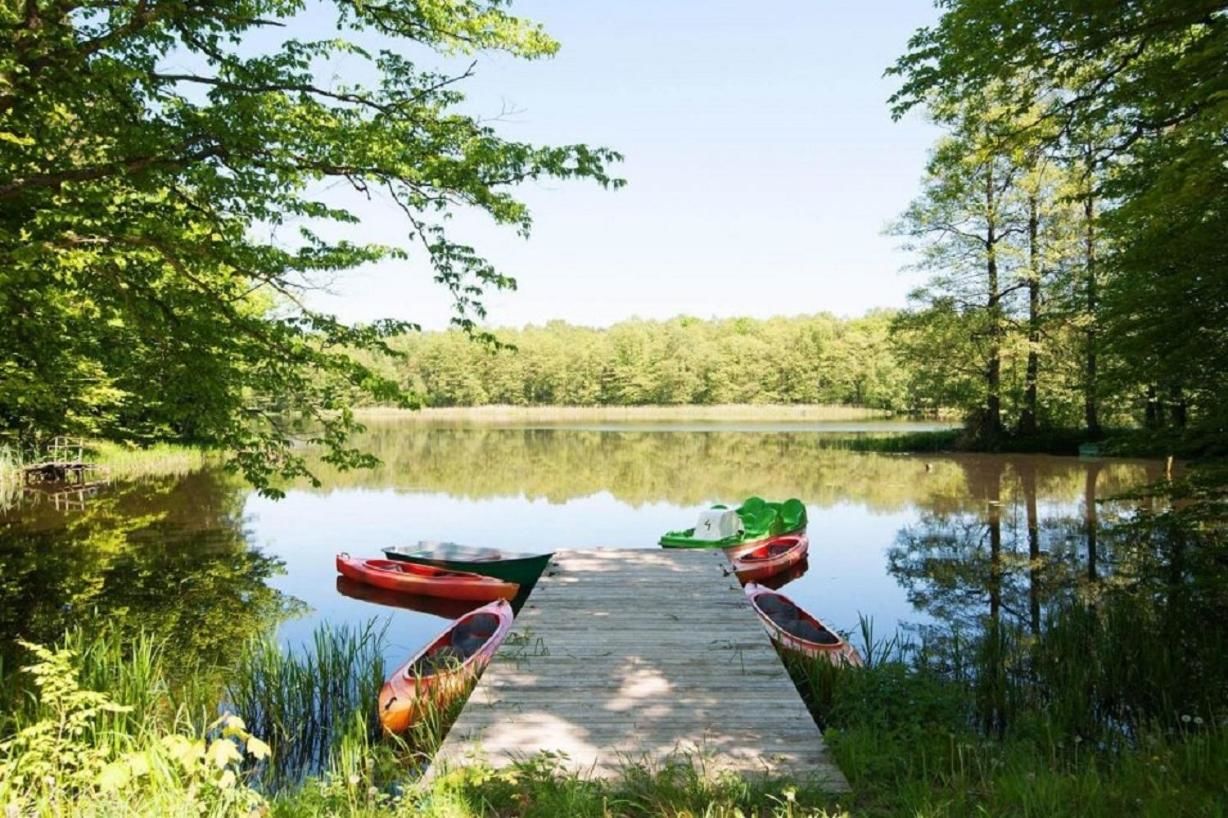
408,696
425,580
751,567
434,605
761,520
732,547
838,653
522,570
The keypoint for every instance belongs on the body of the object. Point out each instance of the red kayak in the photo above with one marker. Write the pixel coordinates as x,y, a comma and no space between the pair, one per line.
442,671
775,556
426,580
793,629
441,607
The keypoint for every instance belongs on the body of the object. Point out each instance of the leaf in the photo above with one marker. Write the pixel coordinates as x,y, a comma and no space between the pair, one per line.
258,749
222,752
113,776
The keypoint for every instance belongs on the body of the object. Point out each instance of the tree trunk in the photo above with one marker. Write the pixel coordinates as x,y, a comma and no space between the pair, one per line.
1091,411
1027,420
1177,406
993,367
1153,413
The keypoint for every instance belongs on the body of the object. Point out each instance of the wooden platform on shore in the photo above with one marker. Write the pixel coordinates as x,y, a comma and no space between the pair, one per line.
640,657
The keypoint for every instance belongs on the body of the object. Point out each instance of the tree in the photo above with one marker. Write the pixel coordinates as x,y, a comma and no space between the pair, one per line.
961,224
1149,76
162,177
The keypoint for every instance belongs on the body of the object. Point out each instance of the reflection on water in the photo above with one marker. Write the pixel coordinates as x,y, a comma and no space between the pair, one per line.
169,556
903,539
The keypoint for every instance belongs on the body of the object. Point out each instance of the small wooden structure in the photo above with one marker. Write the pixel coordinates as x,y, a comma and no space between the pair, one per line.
640,657
65,464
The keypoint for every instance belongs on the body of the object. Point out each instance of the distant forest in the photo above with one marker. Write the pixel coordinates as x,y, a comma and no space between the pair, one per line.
874,361
809,359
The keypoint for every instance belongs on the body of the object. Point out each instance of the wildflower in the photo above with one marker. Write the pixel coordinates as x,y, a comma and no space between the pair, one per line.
1198,720
372,791
353,781
1186,718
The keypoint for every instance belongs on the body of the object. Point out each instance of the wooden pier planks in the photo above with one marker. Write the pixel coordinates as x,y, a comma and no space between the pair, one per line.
639,656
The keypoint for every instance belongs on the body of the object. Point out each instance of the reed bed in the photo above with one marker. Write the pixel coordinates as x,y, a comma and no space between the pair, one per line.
309,702
134,462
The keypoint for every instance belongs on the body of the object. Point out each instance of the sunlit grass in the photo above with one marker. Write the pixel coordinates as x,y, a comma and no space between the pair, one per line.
129,462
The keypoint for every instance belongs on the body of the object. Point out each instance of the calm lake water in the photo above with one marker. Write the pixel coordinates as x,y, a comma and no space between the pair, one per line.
910,541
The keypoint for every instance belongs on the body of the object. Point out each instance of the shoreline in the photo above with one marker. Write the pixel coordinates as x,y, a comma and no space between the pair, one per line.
731,413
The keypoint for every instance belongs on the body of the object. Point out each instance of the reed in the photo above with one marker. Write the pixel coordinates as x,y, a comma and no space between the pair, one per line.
308,702
130,462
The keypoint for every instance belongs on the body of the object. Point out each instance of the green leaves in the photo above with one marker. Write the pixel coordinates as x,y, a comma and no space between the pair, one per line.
154,155
1131,100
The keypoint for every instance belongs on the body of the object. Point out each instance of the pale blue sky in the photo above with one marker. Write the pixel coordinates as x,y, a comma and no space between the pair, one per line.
761,160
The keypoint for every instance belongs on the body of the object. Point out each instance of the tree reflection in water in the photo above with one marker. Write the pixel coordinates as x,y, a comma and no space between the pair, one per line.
168,556
1108,621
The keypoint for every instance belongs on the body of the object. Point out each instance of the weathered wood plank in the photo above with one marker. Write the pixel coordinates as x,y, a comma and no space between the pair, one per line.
640,657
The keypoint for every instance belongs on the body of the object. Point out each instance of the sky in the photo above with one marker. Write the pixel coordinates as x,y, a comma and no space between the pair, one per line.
761,160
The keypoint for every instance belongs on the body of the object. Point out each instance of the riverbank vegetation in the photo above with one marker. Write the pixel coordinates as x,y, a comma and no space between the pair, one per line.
1050,681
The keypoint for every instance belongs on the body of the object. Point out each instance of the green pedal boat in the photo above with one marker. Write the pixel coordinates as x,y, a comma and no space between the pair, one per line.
754,522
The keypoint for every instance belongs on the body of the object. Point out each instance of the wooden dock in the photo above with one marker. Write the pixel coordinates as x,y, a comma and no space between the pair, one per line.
640,657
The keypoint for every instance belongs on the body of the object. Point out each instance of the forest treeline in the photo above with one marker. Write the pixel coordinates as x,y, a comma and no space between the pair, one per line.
917,361
808,359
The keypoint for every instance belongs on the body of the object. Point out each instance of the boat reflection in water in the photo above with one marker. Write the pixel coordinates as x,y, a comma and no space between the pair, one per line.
778,581
433,605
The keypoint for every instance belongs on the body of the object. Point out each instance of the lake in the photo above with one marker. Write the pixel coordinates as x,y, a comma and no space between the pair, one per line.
909,541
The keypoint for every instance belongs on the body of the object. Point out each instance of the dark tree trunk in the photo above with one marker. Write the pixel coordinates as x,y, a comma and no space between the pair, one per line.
1091,409
1027,420
1177,406
993,364
1153,413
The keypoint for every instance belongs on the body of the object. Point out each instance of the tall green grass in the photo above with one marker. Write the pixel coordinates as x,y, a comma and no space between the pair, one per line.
1117,707
309,703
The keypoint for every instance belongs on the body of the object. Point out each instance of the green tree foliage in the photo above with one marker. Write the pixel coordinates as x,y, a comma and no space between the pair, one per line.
1131,99
163,168
818,359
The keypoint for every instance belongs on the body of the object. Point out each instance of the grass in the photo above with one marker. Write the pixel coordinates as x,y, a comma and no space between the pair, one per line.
313,705
599,414
133,462
113,460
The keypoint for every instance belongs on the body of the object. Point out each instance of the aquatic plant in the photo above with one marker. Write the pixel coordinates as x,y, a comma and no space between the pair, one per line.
309,701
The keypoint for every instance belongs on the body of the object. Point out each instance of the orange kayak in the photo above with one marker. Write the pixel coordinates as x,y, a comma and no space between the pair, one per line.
434,605
442,671
426,580
773,557
796,630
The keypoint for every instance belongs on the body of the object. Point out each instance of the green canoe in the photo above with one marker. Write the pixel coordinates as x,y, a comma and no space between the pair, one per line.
519,568
761,520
